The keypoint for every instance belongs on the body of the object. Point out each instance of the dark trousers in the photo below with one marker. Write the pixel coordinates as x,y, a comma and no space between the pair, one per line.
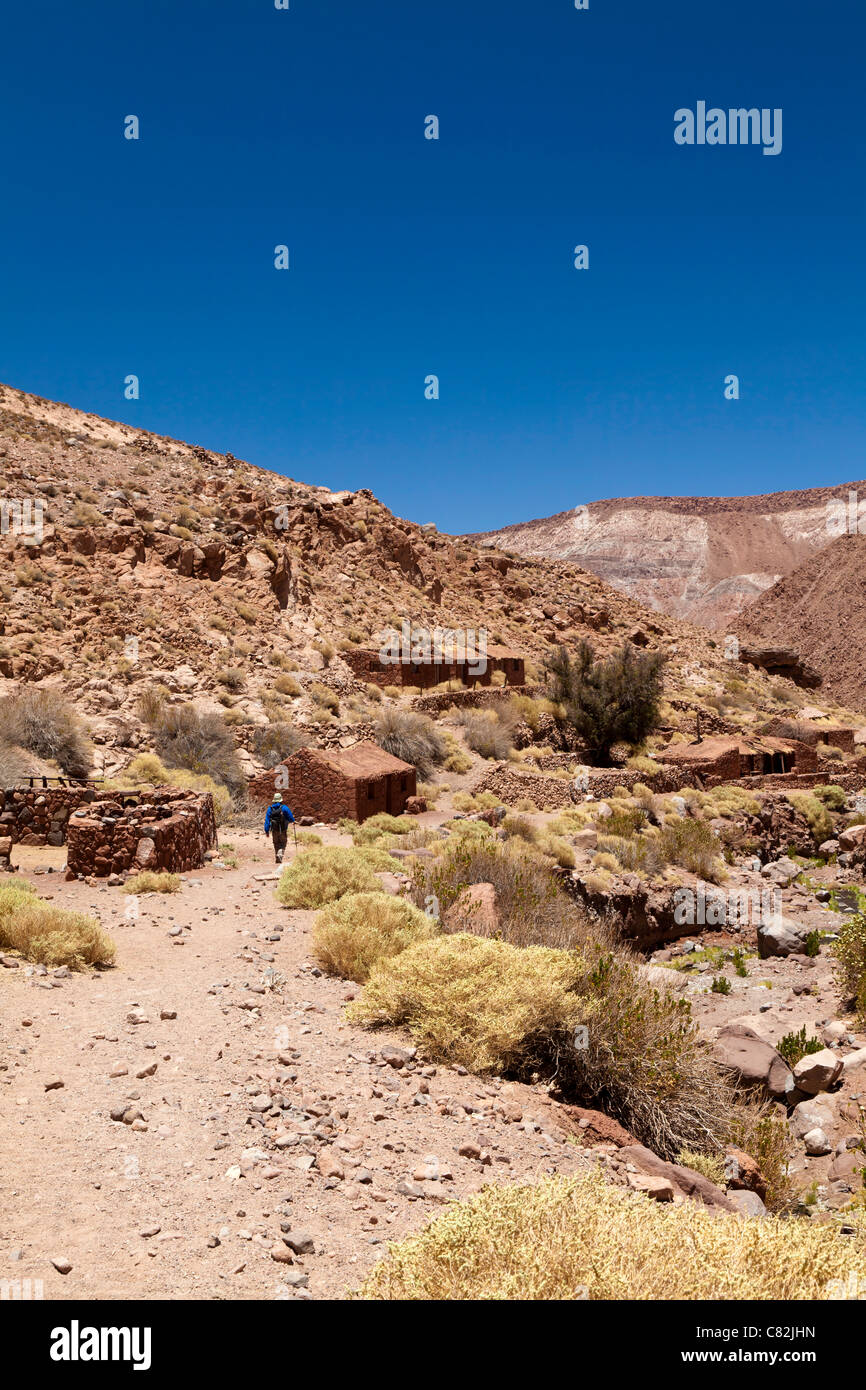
280,836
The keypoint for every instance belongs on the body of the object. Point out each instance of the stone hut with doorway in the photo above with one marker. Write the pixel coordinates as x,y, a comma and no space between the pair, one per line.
728,759
356,782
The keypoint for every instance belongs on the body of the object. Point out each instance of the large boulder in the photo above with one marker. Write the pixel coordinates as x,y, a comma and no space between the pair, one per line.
852,837
753,1062
817,1071
685,1181
476,910
781,937
743,1173
781,871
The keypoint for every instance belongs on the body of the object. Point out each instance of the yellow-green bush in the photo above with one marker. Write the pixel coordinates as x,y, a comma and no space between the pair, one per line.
815,812
577,1238
147,767
359,929
478,1002
324,873
49,935
149,882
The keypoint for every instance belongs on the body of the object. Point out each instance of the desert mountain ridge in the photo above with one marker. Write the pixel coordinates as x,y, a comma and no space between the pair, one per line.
161,561
702,558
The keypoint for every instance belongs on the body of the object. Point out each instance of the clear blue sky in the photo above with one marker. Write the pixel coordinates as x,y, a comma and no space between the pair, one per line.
411,257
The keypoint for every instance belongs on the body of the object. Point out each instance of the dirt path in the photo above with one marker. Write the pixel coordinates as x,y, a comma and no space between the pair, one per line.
215,1047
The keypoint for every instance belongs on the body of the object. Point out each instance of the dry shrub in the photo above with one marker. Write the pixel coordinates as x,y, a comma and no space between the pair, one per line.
486,734
149,882
48,935
352,934
16,764
694,846
412,737
198,741
44,723
274,742
646,1064
759,1129
321,875
325,697
478,1003
534,910
576,1238
287,685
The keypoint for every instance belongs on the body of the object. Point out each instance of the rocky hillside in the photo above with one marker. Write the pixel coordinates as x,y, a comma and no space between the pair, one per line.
701,558
161,561
820,609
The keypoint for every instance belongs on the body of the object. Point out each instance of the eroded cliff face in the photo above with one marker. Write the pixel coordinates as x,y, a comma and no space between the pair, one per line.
704,559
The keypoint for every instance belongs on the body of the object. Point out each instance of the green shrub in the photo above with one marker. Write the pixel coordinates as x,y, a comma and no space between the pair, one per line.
815,813
850,954
610,700
794,1046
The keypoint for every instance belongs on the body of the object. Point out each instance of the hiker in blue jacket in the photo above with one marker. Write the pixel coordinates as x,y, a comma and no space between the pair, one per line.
278,818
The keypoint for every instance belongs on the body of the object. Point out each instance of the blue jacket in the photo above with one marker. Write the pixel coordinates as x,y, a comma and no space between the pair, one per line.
281,812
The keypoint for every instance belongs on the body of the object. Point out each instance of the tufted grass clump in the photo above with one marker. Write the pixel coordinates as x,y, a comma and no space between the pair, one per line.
351,934
150,882
581,1238
49,935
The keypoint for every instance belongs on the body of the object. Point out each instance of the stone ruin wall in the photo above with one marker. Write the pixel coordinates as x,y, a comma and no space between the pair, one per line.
170,830
167,829
478,698
39,816
554,793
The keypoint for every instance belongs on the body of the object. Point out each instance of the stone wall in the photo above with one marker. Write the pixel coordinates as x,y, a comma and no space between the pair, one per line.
367,666
796,781
478,698
39,816
168,829
552,793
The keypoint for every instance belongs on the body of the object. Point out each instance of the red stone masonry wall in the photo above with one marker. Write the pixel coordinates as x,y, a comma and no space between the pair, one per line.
39,816
170,830
311,787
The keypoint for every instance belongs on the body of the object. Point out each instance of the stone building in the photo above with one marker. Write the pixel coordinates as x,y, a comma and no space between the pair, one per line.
356,782
728,759
367,664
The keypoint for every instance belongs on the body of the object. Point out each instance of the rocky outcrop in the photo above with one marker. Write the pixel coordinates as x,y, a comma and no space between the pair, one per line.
782,661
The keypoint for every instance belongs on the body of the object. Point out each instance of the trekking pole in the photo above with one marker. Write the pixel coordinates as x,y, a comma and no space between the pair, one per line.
295,832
